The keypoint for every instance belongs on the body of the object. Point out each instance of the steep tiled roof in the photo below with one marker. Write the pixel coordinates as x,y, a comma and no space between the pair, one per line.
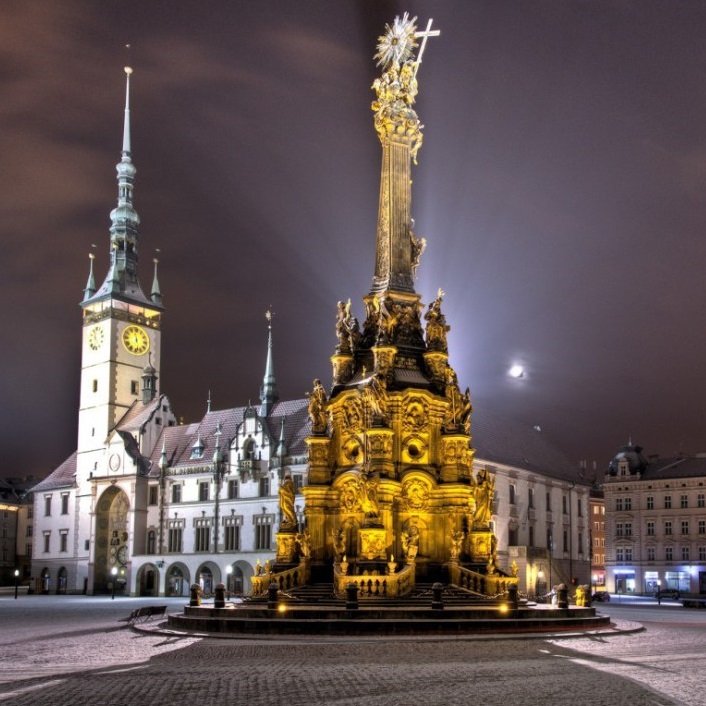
680,467
138,414
62,477
179,440
502,440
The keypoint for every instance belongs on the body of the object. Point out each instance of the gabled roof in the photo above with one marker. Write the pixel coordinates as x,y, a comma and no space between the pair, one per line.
62,477
139,414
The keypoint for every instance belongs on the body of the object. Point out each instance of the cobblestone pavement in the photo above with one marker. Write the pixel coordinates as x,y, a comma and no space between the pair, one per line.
71,650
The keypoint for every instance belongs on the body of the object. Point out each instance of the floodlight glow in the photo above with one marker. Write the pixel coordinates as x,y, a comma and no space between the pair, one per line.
516,371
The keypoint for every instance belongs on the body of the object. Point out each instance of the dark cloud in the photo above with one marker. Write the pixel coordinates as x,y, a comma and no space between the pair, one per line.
561,189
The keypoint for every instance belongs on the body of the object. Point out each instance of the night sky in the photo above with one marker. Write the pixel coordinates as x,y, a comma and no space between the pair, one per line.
561,188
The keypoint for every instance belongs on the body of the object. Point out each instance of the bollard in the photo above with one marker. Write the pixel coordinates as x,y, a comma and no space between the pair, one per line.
220,596
352,596
436,591
562,596
272,590
195,595
513,596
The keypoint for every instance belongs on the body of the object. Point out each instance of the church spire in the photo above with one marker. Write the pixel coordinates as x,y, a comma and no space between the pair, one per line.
268,390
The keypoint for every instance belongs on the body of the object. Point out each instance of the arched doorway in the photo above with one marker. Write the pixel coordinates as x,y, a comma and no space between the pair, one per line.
239,583
148,580
235,584
61,580
45,580
112,551
207,576
177,580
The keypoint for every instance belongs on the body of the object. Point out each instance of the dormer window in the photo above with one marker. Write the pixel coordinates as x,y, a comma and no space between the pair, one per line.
623,467
198,448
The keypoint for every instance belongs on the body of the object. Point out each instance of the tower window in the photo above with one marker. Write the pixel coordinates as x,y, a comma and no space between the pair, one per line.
134,388
95,386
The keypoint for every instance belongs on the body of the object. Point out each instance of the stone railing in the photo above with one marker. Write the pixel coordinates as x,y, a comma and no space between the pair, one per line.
391,585
286,580
485,584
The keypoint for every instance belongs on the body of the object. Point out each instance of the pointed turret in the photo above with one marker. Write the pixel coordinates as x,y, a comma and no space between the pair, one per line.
268,390
90,288
163,464
155,294
121,281
281,444
149,382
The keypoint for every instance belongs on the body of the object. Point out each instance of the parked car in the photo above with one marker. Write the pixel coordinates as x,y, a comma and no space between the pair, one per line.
601,597
667,593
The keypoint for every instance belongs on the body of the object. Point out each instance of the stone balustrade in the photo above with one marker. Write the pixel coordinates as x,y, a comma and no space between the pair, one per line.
392,585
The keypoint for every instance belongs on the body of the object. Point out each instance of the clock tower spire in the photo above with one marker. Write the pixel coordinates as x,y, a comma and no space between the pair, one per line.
121,326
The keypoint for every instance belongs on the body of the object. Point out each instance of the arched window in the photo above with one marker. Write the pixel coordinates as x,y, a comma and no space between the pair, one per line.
151,542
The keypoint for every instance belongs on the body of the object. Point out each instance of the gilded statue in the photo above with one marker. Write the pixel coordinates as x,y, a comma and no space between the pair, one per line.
455,544
396,89
484,492
286,503
418,246
347,328
458,410
368,496
303,541
375,396
339,543
410,542
436,327
317,408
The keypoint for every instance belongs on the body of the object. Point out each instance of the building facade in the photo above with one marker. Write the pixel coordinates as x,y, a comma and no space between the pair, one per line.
147,506
655,523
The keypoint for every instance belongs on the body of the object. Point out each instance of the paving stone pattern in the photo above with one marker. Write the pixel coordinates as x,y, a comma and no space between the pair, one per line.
81,656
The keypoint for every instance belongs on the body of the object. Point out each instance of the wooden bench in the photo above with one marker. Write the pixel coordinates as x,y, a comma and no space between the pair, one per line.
145,614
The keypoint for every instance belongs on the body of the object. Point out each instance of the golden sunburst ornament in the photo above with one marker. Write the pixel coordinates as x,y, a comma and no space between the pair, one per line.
398,42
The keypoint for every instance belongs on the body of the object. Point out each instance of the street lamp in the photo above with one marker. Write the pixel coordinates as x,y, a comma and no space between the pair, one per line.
114,574
17,580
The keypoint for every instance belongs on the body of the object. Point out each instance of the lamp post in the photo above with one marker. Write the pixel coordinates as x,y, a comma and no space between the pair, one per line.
17,581
114,574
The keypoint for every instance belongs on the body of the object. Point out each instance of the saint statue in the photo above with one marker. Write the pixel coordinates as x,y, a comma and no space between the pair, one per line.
375,396
368,497
410,542
484,490
286,503
303,540
317,408
456,544
436,328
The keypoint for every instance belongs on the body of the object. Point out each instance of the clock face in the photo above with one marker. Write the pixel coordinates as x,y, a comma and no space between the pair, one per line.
122,555
136,340
95,338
